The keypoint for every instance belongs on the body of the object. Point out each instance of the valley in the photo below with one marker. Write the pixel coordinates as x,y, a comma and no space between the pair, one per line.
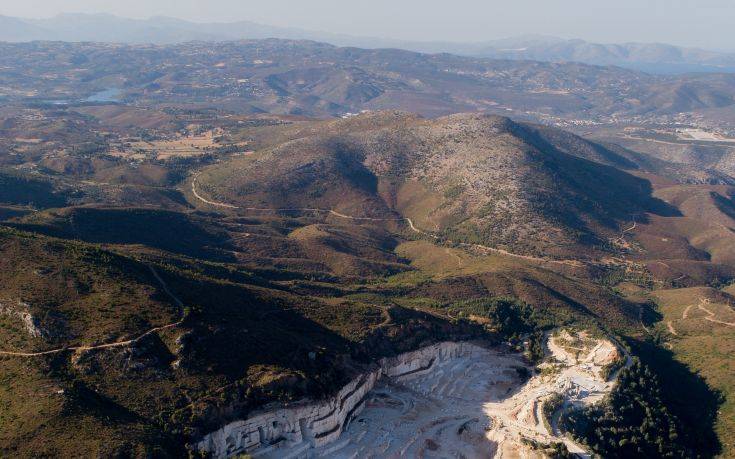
277,247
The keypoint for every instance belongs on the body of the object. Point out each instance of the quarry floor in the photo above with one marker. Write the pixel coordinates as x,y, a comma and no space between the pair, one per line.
478,406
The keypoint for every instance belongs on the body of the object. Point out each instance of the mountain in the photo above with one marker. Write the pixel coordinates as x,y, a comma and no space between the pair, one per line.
318,79
15,30
193,235
109,28
135,326
75,27
652,57
470,178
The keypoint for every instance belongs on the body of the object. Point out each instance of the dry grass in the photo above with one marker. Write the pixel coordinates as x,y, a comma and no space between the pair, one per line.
450,262
695,248
180,146
706,347
192,145
121,117
350,250
419,204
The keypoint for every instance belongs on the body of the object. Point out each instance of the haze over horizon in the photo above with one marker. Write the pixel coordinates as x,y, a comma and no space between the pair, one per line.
703,23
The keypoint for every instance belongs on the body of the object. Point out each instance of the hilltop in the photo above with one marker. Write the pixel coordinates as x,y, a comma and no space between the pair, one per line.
161,282
468,178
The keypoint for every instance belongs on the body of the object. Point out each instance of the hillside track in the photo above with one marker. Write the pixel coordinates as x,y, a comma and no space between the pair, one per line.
411,225
113,344
702,306
711,316
621,238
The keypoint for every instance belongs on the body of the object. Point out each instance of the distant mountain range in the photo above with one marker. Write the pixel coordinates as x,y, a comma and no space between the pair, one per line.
300,77
654,57
651,57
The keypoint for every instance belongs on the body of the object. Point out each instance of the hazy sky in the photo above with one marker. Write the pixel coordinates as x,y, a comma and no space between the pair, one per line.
706,23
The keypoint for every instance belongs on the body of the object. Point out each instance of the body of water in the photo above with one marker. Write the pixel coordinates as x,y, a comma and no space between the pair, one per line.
108,95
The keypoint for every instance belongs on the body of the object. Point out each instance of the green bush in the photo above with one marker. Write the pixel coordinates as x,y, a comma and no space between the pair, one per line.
508,316
633,422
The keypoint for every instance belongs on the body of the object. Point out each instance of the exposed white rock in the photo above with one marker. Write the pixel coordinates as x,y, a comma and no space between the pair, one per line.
30,323
296,429
446,400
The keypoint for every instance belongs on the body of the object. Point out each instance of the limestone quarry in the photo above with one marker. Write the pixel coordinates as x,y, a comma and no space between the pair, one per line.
446,400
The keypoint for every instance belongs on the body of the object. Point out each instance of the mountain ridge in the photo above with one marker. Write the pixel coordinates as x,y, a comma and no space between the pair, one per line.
654,57
307,78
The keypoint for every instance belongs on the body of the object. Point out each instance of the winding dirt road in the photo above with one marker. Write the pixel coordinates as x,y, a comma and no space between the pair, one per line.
627,230
702,306
575,263
128,342
685,315
455,256
711,315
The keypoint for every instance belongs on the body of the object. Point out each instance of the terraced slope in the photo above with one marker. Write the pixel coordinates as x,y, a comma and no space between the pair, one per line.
113,354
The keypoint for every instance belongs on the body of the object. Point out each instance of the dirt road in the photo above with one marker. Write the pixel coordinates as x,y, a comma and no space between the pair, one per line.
711,316
575,263
122,343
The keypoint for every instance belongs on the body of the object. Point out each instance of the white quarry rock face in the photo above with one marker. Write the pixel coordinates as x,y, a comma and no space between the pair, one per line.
446,400
299,428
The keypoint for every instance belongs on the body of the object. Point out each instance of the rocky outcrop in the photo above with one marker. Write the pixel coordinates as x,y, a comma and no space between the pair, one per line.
299,428
30,324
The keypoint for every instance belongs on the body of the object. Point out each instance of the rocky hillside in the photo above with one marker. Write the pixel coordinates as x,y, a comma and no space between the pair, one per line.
470,178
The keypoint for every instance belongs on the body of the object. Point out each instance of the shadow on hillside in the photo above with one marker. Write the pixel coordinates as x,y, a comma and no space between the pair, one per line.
687,396
236,327
174,232
270,345
21,190
607,193
725,205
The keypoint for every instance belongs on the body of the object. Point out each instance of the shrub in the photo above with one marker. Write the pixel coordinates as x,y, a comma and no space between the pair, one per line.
632,422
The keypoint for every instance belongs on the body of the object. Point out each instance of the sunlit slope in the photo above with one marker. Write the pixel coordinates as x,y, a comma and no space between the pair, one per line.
470,178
